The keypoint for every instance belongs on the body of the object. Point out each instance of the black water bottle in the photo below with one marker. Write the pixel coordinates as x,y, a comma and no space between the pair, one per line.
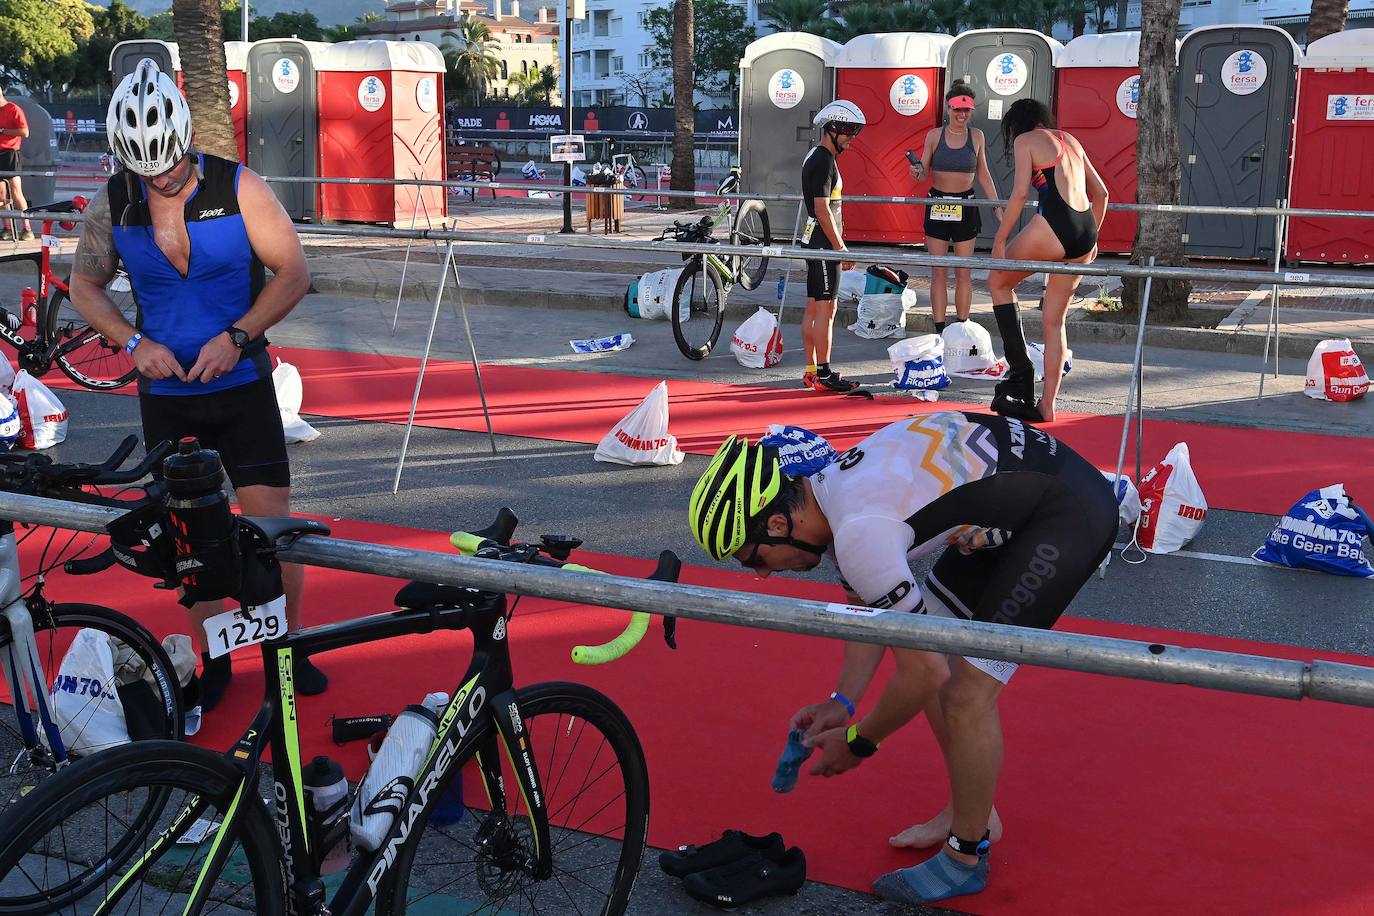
208,563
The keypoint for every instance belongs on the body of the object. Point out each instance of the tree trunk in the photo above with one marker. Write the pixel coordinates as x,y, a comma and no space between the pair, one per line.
1079,21
200,35
1158,176
684,118
1327,18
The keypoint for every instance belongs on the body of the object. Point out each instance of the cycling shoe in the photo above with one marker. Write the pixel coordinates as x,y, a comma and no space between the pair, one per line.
732,846
833,382
749,879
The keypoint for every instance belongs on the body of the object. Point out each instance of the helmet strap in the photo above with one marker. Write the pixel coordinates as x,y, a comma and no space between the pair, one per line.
790,541
185,179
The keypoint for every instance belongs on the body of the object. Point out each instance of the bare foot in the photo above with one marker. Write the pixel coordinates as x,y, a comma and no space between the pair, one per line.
1046,411
934,831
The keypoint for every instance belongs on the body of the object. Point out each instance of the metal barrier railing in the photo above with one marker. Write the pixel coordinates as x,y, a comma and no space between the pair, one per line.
1184,209
1234,672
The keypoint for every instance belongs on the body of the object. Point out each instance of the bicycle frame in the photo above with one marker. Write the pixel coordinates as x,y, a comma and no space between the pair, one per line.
486,692
20,660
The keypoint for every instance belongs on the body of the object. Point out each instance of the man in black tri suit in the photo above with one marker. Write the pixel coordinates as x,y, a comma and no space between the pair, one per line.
1022,521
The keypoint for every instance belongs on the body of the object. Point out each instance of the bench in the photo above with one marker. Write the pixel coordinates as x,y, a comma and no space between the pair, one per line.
474,163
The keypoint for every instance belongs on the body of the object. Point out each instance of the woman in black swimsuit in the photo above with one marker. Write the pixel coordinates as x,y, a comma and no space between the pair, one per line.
1073,201
953,155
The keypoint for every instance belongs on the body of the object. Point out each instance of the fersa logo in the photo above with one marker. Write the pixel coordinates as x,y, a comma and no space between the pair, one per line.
1007,63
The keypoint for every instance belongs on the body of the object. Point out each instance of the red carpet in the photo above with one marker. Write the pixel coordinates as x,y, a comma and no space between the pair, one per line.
1246,470
1119,796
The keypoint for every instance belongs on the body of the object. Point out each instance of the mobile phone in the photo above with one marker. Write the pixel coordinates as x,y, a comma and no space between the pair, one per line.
911,157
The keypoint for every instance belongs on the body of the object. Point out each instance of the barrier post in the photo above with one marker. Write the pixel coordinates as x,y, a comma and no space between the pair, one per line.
396,316
1273,326
787,274
472,348
1134,401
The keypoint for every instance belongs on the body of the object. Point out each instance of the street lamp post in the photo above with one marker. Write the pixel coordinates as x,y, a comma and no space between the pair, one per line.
244,33
567,111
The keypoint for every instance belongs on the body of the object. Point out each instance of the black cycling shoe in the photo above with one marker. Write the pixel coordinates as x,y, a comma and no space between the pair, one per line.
732,846
749,879
833,382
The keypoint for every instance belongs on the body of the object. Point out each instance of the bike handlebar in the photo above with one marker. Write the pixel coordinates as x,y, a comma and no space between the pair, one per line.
494,543
36,473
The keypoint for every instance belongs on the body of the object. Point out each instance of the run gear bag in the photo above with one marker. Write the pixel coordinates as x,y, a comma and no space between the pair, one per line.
1172,507
852,285
801,453
286,379
1127,498
879,279
85,697
11,423
642,436
919,363
652,294
1335,373
1036,352
1324,531
968,351
883,315
757,343
43,417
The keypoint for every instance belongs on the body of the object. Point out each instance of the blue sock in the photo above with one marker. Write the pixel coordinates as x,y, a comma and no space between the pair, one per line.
789,765
934,879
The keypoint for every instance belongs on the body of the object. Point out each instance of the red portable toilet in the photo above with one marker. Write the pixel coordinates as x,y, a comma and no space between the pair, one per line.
236,65
1334,149
1097,87
381,116
897,80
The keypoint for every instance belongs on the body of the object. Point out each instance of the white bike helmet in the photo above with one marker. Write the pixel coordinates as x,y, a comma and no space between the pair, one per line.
148,123
842,115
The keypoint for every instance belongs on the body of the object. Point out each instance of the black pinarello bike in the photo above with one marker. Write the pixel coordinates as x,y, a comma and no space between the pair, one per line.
560,826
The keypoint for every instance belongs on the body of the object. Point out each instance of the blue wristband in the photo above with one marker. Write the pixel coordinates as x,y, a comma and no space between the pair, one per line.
133,342
845,702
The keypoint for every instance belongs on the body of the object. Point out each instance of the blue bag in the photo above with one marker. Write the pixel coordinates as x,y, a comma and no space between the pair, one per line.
801,453
1325,531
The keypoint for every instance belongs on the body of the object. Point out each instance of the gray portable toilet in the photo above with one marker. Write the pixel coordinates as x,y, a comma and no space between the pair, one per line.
785,78
124,57
1236,86
1001,66
39,150
283,119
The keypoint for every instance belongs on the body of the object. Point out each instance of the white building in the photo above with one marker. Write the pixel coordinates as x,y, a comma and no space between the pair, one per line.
1290,15
612,55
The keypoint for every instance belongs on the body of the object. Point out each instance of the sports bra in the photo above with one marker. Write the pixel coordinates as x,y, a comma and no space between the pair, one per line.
954,159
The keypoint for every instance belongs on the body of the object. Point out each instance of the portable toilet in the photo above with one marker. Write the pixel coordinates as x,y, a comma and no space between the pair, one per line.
1333,155
124,57
1097,88
785,78
1001,66
896,79
380,117
236,67
1236,85
283,118
39,150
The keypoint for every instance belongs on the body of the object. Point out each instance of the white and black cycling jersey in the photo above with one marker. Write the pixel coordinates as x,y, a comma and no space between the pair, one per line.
921,484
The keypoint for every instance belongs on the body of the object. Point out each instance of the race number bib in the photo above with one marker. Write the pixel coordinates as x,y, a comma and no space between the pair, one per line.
246,626
947,213
810,228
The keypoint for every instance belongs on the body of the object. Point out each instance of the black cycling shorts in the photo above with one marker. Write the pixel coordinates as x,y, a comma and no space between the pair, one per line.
950,224
822,280
11,160
242,423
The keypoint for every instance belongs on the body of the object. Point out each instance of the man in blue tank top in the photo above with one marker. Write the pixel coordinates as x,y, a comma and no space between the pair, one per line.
196,234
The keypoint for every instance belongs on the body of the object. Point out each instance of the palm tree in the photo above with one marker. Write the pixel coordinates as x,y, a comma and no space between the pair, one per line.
1327,18
471,56
872,16
200,33
1158,175
684,119
535,86
795,15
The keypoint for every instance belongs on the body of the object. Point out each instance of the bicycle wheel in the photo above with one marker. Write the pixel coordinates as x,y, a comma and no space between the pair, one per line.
22,768
634,178
751,228
83,355
596,788
698,308
61,826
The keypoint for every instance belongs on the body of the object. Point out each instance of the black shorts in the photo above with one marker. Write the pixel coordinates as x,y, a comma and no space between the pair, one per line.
11,160
822,280
243,424
940,226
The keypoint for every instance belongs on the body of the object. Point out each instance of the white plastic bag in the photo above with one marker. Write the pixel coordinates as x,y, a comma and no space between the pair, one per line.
11,423
1036,352
883,315
656,294
6,375
85,701
42,414
757,343
852,284
919,363
1127,498
1335,373
1172,507
642,436
968,351
286,379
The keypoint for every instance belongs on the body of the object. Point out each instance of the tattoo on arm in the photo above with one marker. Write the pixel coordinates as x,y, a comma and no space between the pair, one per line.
96,257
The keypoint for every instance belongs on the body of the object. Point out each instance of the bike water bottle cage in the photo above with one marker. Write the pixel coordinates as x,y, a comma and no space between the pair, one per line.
970,847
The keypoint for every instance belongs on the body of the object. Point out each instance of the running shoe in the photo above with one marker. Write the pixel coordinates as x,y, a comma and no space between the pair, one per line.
26,236
745,881
733,846
833,382
6,235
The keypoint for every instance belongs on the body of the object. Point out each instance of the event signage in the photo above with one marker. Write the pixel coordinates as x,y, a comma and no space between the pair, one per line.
1244,72
567,148
1350,106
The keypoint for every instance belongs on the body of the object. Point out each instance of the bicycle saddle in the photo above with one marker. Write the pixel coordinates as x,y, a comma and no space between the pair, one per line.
427,596
272,529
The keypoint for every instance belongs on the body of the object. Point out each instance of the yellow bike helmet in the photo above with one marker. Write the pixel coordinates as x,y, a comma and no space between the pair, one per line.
738,484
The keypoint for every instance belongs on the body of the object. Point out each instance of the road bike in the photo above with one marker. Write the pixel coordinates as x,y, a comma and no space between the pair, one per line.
701,290
562,819
45,714
46,329
630,174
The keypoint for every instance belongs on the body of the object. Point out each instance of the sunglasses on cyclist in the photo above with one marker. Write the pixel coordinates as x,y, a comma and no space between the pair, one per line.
847,130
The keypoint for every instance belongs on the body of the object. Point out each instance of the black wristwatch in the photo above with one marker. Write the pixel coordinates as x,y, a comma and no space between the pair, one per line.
860,746
238,335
